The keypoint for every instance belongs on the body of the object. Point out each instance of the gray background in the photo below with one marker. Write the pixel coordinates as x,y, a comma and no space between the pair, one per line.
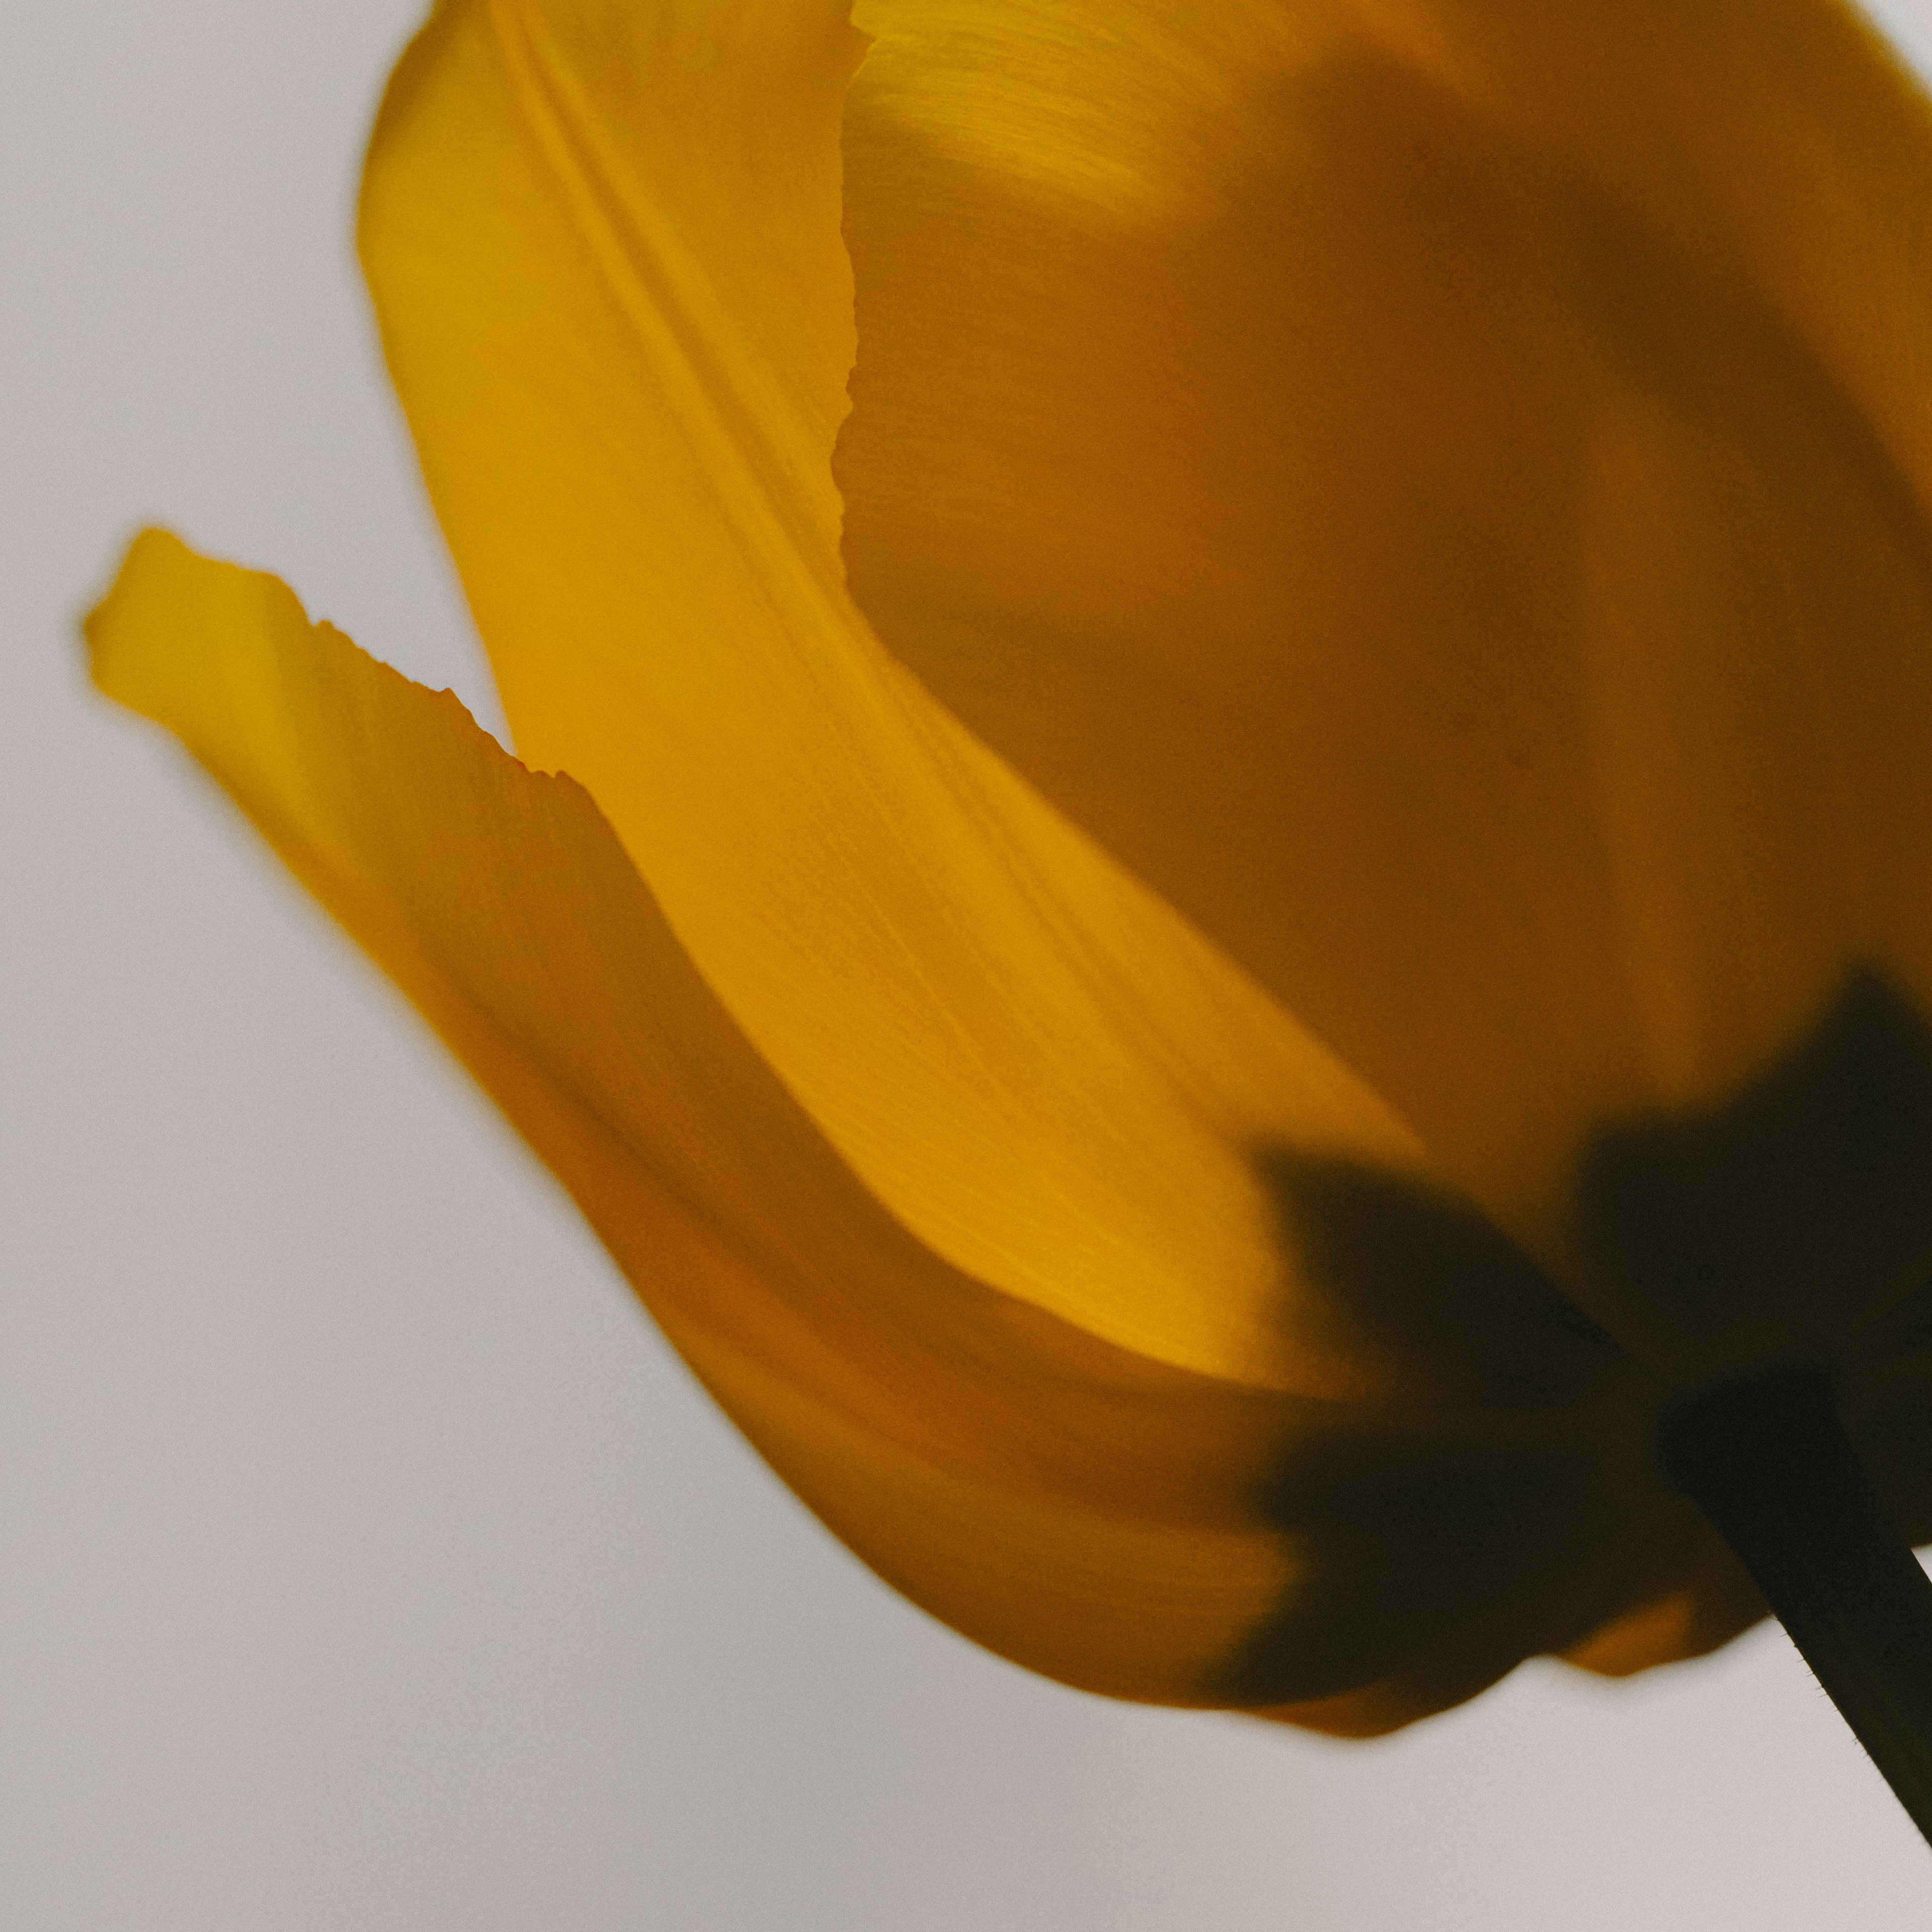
365,1561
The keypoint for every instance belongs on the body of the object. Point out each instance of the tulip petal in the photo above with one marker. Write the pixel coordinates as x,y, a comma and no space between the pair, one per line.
604,244
1101,1516
1439,487
1682,1593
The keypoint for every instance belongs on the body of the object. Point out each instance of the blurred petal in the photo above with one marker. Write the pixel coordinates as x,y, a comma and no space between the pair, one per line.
1682,1594
1095,1515
1791,1221
1439,487
604,243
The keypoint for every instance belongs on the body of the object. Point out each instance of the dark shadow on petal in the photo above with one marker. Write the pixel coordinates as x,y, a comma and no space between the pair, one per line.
1776,1224
1402,1275
1407,1547
1467,1519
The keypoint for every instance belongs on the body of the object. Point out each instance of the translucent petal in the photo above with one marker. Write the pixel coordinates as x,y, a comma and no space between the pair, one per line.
1438,487
1095,1514
604,244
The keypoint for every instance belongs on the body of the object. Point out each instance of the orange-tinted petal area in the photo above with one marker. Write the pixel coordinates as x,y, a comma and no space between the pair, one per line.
1439,488
1093,1514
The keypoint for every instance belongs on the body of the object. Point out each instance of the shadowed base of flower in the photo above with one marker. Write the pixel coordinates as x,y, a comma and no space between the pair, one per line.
1767,1459
1811,1189
1788,1221
1770,1256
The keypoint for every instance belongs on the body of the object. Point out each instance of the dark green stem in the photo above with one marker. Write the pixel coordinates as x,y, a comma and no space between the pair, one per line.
1767,1460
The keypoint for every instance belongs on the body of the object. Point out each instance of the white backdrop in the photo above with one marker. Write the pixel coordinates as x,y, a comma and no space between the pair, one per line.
365,1561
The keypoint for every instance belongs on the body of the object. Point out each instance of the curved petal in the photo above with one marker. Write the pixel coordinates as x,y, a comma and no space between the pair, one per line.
1095,1515
604,244
1438,487
1682,1593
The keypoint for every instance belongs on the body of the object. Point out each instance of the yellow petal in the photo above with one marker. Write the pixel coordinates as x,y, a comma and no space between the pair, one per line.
604,244
1439,487
1099,1516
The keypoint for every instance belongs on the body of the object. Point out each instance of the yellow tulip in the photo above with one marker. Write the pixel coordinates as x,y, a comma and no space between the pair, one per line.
1198,959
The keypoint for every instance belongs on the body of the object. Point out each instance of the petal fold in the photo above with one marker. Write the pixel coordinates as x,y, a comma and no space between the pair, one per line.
604,244
1440,488
1097,1515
